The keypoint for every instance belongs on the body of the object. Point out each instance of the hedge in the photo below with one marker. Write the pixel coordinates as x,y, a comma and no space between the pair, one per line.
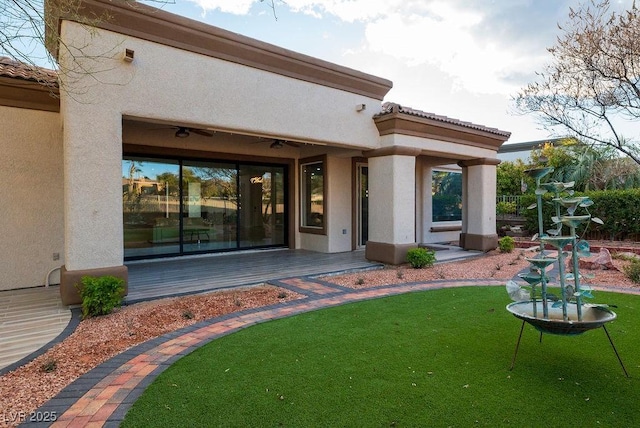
618,209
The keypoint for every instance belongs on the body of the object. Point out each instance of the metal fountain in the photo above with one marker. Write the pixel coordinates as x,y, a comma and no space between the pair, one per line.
567,314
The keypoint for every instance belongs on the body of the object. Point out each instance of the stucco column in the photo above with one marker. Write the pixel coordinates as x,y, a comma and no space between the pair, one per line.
479,204
392,204
92,139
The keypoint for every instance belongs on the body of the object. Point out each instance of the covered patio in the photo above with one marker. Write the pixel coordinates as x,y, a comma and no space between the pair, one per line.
151,279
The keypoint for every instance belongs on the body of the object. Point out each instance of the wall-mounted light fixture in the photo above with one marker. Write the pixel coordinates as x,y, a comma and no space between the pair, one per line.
128,55
361,107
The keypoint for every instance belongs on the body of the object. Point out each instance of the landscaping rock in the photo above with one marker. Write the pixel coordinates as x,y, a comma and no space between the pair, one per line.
600,261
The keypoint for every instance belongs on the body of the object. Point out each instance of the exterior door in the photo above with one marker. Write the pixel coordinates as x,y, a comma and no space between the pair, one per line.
363,205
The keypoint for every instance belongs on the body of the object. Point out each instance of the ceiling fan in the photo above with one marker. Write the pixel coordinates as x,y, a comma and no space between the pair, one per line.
184,132
277,143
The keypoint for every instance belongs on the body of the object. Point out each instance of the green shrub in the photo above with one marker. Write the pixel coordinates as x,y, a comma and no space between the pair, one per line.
506,244
100,295
632,270
616,208
504,207
49,366
421,257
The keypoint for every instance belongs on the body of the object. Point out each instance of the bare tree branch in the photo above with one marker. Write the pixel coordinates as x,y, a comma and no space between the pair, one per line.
593,81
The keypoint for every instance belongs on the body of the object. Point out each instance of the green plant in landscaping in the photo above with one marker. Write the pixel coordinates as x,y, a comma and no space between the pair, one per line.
421,257
632,270
100,295
506,244
49,366
188,314
504,207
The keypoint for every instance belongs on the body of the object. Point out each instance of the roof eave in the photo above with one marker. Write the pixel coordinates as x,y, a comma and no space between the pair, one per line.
406,124
152,24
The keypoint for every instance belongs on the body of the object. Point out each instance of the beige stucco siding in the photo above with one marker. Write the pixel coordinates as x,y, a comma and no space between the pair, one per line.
339,204
178,87
31,208
165,83
437,148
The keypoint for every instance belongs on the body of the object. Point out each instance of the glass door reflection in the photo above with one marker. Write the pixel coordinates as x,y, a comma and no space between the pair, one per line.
262,206
210,206
150,207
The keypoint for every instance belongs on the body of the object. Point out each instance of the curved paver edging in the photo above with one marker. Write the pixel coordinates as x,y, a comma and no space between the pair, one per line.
74,321
107,392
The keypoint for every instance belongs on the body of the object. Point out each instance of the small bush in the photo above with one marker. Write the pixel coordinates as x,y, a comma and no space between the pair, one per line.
632,270
49,366
188,314
360,281
100,295
506,244
421,257
504,207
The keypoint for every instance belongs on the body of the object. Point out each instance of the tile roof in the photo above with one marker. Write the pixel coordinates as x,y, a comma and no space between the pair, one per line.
19,70
390,108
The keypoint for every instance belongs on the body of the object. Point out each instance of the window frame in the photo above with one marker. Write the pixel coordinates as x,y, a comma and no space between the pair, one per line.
320,230
445,222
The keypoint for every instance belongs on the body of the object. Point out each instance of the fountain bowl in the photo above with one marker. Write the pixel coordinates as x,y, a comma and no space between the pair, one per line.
592,317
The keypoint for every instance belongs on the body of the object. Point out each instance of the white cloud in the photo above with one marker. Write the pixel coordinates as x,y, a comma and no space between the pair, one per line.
445,34
444,37
436,32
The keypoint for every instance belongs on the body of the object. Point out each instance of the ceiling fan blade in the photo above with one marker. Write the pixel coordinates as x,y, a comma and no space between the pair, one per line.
201,132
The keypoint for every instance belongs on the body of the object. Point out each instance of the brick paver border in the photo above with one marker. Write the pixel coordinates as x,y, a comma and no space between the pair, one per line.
103,396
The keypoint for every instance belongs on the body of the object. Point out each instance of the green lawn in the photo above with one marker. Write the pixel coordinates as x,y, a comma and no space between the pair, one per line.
431,359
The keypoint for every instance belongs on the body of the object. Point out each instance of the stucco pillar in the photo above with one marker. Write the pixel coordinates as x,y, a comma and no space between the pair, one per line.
92,139
479,204
392,204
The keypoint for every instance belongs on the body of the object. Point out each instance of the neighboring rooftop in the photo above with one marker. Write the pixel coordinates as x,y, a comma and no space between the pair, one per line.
528,145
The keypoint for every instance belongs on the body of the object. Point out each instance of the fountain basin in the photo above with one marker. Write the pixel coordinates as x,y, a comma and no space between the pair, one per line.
592,317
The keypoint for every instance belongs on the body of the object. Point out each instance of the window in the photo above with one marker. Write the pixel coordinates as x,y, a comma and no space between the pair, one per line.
446,191
312,198
181,206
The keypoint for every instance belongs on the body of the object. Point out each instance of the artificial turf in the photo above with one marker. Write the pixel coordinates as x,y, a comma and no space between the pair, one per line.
438,358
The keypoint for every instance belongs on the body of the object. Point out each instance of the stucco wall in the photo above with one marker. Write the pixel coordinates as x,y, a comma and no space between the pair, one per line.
340,201
174,86
31,195
448,151
392,199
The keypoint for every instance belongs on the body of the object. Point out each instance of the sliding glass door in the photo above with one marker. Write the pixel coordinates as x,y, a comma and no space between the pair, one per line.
210,206
151,207
262,201
173,207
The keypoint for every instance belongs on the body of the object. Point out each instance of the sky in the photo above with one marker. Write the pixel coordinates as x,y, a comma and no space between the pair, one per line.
465,59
